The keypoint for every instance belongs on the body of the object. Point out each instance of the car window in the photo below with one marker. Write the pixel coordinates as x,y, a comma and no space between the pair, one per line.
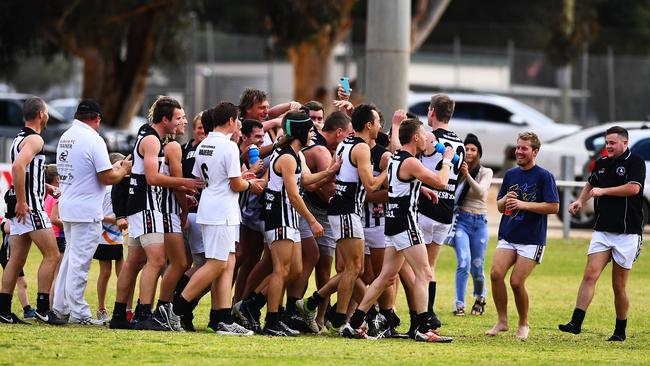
420,109
642,148
481,111
10,114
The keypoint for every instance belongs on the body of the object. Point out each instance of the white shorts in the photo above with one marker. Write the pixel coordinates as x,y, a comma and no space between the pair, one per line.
405,239
432,230
625,247
282,233
304,228
346,226
219,240
530,251
195,237
375,238
145,222
171,223
36,220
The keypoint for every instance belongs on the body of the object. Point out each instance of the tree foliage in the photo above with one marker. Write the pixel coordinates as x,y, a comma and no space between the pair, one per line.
116,40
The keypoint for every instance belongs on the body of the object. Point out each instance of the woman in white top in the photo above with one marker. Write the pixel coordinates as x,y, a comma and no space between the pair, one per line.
471,237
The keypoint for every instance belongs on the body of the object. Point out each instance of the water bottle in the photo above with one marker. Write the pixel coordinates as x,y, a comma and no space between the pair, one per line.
441,149
253,154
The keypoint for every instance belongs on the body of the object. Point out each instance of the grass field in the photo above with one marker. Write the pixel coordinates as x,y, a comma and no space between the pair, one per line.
552,288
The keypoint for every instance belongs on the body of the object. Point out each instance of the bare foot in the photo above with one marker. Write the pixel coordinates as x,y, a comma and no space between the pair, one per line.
498,327
522,332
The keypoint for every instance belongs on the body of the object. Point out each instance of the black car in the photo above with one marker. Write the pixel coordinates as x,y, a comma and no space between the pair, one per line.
11,121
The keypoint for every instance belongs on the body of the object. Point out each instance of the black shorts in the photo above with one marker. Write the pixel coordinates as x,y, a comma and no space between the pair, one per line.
4,254
109,252
60,242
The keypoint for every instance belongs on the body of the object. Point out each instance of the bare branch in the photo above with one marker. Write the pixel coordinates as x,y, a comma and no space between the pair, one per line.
426,17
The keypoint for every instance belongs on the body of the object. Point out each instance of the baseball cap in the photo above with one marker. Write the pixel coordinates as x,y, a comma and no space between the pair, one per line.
88,105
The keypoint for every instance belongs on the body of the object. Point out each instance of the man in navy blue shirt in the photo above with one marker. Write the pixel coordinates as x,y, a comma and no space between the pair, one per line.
616,184
528,194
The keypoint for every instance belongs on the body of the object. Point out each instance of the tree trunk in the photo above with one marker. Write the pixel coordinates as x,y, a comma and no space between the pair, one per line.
119,82
309,61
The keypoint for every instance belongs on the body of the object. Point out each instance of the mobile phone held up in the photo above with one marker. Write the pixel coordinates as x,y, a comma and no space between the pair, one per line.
345,83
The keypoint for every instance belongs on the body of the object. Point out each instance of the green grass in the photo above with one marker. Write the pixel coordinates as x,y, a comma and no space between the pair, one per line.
552,289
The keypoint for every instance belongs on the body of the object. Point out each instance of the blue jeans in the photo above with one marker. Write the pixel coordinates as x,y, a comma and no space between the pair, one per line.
470,244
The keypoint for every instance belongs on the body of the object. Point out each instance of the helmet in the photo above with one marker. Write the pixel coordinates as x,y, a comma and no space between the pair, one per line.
298,126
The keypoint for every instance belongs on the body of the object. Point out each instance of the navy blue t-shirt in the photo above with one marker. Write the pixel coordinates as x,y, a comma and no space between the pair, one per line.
534,185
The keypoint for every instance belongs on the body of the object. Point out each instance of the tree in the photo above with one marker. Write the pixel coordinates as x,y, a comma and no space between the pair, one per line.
309,31
117,42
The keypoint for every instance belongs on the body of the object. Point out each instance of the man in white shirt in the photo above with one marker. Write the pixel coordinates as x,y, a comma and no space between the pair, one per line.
84,170
217,162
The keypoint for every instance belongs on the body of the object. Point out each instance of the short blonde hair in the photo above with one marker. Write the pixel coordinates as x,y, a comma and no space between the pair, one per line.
530,137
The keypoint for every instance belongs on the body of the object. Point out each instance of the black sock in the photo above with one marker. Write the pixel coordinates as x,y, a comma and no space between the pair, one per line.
5,303
182,306
372,312
413,324
259,301
27,308
143,312
161,303
578,317
272,318
182,282
357,319
119,311
387,313
220,316
250,297
291,305
339,319
192,306
422,321
620,328
313,301
42,302
432,296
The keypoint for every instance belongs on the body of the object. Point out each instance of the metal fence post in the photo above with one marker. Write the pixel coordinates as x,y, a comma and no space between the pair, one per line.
568,163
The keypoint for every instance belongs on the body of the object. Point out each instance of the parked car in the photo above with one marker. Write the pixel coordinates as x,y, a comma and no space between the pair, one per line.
496,120
117,140
11,121
639,143
581,145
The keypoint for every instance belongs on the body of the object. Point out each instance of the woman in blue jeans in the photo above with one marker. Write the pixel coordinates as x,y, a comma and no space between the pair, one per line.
471,236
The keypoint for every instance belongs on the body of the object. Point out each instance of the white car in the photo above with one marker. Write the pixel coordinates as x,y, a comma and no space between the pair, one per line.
581,145
120,140
639,143
496,120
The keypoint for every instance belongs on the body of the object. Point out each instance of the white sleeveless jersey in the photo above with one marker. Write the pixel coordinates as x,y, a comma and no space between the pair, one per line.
143,196
349,194
34,174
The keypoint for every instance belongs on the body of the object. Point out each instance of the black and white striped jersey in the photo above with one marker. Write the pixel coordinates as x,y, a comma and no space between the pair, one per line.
374,213
188,159
442,212
278,211
34,175
168,203
143,196
402,208
349,194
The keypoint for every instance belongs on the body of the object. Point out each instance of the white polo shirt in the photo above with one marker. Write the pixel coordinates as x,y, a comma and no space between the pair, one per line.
217,160
80,155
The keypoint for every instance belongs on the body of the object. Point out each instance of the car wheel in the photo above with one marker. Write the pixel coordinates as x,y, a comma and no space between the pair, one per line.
584,219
